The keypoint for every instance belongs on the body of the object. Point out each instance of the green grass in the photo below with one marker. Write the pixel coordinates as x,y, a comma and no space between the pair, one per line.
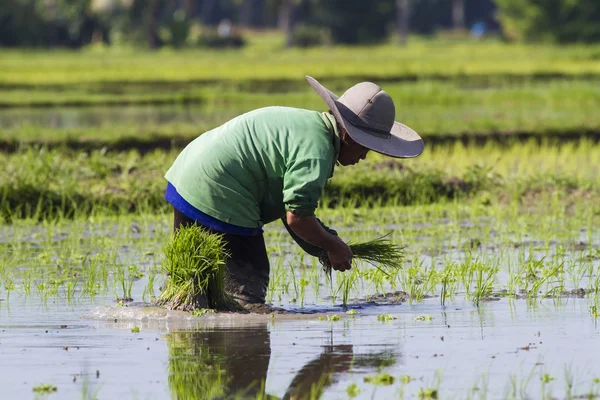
518,250
520,219
55,183
420,59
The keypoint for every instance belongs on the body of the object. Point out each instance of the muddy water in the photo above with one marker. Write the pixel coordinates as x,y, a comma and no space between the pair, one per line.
175,356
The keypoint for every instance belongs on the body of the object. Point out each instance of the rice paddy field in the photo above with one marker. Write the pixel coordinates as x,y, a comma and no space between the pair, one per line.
498,296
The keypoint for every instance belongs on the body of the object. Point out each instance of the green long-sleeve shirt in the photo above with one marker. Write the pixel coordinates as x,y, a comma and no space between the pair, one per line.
254,168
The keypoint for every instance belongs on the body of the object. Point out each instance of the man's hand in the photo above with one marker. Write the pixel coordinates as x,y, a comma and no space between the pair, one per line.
340,256
309,230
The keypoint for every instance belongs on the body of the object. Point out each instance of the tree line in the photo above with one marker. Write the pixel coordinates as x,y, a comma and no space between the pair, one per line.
178,23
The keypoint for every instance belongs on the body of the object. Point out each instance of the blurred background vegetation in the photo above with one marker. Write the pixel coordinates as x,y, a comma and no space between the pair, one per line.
98,96
220,23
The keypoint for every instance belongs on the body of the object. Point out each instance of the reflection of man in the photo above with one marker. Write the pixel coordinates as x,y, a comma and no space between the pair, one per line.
234,362
312,380
212,364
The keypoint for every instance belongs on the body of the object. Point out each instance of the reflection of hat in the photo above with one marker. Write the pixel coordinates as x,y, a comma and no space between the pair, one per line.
368,113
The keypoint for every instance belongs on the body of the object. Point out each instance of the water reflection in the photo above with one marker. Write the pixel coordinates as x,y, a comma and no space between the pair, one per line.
234,362
85,117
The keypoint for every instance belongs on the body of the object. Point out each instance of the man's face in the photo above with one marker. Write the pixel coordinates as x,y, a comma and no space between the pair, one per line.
351,152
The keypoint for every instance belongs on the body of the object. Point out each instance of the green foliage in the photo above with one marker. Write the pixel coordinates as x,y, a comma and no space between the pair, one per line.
20,25
177,29
309,36
211,39
195,265
363,22
29,23
552,20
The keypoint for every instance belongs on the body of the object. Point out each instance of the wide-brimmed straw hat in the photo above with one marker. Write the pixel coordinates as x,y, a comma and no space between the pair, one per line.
368,114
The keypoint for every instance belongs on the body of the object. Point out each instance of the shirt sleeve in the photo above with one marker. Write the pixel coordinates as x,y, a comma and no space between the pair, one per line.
303,185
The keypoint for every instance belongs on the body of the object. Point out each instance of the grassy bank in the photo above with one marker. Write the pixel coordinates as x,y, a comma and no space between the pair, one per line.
272,62
49,183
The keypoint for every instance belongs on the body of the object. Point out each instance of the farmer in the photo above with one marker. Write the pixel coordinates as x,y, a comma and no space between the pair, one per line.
273,163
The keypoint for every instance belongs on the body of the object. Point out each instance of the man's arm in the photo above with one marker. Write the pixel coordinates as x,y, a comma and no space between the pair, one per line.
303,184
311,231
311,249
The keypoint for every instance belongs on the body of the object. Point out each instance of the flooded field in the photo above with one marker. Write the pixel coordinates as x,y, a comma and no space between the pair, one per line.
498,221
85,117
499,350
493,302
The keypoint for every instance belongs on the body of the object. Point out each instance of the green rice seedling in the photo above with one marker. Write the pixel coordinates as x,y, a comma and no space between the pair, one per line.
331,318
485,276
303,283
418,281
377,278
70,289
548,276
466,271
44,388
346,283
381,378
545,379
149,288
428,394
295,283
315,279
352,390
594,285
9,286
124,282
514,280
196,271
449,282
381,253
569,382
423,318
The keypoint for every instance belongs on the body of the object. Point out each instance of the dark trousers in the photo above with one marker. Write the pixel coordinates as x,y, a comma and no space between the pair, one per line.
248,263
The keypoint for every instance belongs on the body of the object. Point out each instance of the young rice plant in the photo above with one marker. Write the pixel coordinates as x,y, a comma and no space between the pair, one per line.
196,271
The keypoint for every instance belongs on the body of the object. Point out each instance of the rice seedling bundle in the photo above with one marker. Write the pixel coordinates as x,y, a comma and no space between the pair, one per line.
195,265
381,253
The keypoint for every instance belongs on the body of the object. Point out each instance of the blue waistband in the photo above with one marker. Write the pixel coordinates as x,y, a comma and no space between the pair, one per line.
192,212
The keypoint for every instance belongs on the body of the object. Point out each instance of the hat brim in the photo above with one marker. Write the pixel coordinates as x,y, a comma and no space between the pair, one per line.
403,142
